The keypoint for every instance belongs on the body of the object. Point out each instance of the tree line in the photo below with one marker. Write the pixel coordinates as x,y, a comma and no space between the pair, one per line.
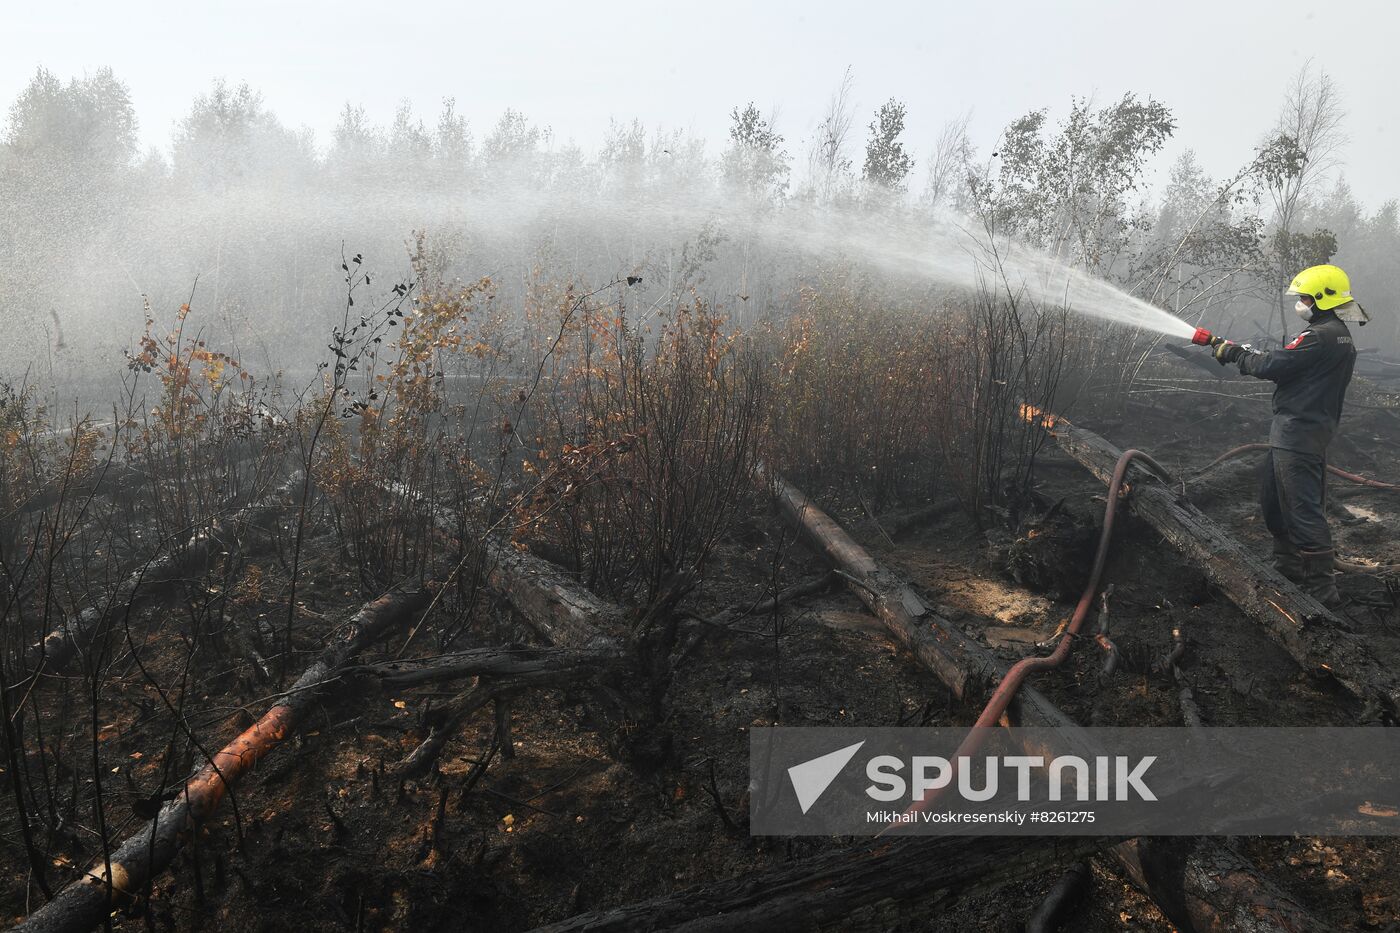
256,213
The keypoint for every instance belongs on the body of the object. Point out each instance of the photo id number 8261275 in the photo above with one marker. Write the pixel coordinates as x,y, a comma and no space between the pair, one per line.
1061,816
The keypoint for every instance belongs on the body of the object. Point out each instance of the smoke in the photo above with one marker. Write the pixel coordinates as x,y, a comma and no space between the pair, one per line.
254,224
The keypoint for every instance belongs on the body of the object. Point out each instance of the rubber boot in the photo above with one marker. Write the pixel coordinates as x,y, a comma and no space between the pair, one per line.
1318,579
1287,560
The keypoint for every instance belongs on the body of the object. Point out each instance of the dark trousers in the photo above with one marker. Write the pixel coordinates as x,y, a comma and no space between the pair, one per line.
1293,493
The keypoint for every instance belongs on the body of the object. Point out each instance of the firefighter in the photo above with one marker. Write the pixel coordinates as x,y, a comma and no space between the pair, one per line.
1311,374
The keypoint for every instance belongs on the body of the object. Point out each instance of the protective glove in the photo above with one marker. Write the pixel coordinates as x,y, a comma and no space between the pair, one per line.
1227,352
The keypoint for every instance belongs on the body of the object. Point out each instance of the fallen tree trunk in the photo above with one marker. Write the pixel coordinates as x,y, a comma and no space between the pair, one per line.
1195,902
494,662
418,762
1199,877
861,887
965,667
499,680
500,673
551,602
113,477
107,479
560,611
1312,635
732,616
85,903
626,711
58,648
1063,898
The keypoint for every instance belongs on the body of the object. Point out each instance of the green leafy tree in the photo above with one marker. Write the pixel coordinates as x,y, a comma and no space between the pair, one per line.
514,151
1207,242
229,138
453,142
88,125
410,143
755,162
1070,191
623,159
356,145
1367,244
1369,258
512,139
887,165
66,154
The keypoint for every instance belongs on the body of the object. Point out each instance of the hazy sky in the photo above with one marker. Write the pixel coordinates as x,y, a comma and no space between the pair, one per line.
1221,66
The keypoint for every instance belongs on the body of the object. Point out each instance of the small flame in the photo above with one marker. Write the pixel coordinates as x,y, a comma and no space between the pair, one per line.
1284,613
1030,414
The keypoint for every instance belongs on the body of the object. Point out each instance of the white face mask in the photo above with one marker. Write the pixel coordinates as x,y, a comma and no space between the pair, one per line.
1304,310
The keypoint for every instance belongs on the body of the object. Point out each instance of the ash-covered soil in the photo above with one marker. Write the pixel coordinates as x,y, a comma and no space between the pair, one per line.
323,837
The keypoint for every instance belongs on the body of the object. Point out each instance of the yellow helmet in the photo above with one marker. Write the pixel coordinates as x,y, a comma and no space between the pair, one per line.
1327,286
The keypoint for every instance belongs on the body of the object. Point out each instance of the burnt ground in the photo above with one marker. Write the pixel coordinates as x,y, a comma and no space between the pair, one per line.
324,838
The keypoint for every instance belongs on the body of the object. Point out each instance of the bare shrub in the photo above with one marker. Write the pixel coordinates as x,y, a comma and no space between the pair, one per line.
853,386
645,460
1000,356
407,427
888,401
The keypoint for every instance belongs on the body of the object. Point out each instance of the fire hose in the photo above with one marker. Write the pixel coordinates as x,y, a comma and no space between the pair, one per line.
1335,471
1349,566
1006,690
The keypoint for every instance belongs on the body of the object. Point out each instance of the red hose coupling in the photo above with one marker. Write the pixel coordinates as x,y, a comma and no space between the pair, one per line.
1203,337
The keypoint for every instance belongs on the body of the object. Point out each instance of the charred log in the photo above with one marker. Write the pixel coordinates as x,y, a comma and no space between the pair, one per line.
567,615
115,478
1061,901
1312,635
862,887
1218,888
961,661
109,884
549,600
560,611
497,662
557,668
72,636
964,666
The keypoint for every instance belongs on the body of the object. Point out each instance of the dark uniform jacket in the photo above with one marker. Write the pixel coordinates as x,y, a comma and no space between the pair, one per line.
1312,373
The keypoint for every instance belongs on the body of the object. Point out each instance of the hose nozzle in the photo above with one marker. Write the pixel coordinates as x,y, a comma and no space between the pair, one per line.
1204,338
